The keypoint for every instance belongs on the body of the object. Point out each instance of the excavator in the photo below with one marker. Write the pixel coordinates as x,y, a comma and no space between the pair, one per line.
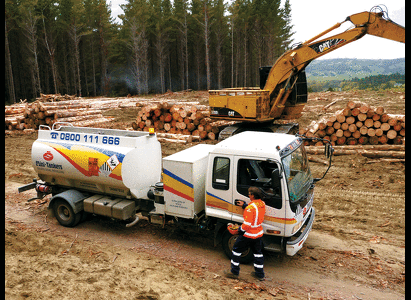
283,87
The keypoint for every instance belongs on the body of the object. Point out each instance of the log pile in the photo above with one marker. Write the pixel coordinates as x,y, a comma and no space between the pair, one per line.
359,124
178,119
55,97
78,112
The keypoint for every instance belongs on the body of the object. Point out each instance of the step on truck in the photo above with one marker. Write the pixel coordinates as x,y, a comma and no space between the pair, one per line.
120,174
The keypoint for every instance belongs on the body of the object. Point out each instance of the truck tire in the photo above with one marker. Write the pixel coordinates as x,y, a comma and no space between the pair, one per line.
228,243
64,213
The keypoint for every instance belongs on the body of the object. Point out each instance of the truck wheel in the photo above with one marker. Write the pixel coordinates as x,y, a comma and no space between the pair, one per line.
228,243
65,214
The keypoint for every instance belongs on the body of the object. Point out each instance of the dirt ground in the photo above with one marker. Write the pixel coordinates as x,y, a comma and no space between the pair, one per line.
356,249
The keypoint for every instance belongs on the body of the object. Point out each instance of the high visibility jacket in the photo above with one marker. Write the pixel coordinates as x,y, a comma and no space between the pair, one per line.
253,218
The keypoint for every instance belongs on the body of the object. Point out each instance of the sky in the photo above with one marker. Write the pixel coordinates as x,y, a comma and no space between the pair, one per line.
311,17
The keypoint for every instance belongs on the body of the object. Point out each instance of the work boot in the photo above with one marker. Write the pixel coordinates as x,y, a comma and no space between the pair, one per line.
259,278
229,274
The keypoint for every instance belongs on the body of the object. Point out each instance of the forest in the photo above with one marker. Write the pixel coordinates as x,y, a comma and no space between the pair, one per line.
74,47
373,82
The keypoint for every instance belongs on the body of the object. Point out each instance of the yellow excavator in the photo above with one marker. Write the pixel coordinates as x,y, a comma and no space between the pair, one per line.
283,87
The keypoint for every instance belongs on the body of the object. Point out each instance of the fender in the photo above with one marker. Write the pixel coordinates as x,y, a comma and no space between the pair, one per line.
73,197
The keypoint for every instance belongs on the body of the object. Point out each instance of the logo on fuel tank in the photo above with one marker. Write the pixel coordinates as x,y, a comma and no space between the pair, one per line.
48,156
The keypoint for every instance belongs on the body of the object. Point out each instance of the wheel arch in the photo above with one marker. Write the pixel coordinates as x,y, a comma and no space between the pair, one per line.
73,197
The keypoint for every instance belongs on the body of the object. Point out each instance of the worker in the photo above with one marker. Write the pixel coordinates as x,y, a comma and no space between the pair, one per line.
250,235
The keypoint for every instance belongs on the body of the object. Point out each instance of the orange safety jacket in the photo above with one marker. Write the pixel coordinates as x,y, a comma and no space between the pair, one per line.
253,218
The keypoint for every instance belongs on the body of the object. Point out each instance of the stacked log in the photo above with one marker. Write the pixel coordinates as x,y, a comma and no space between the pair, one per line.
55,97
178,119
78,112
359,124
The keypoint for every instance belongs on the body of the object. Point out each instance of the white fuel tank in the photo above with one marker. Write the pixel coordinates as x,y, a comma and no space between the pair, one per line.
116,162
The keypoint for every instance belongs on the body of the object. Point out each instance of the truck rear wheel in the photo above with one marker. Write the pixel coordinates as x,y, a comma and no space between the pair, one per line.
228,243
64,213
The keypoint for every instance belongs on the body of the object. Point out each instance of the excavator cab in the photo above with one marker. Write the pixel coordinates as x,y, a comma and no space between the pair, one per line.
298,96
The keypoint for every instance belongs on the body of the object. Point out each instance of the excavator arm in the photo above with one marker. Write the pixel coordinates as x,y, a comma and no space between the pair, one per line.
283,75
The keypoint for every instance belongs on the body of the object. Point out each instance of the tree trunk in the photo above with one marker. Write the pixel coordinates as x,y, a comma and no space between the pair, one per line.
10,81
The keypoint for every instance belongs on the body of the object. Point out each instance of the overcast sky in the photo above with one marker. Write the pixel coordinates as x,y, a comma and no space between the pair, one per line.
311,17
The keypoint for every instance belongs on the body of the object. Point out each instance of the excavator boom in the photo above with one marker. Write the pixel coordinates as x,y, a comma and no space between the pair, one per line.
285,92
291,63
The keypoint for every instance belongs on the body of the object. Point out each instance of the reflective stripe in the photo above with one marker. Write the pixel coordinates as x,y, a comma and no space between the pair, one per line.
255,226
255,234
258,255
256,213
247,223
236,253
258,266
235,263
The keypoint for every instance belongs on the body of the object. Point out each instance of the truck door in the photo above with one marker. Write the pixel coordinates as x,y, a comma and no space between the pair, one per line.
219,186
252,171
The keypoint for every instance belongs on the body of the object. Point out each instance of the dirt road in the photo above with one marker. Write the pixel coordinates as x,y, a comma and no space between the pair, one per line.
356,249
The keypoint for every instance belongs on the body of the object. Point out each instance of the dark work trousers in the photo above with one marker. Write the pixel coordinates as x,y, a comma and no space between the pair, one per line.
241,245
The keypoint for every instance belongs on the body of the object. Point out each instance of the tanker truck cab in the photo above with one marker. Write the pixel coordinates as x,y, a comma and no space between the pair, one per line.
278,165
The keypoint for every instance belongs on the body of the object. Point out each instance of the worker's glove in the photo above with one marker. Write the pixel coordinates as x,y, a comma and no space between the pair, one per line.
233,228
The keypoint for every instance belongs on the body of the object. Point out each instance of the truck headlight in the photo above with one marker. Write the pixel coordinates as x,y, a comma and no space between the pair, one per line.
296,227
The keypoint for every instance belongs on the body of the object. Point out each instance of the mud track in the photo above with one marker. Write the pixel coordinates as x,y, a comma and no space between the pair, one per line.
356,249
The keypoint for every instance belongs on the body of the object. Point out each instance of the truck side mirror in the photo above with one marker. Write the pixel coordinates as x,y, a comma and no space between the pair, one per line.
328,150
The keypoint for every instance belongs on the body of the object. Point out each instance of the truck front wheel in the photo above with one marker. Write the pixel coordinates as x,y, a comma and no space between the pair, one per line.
228,243
64,214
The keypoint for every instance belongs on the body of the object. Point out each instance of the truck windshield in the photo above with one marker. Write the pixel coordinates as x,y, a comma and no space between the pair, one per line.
298,173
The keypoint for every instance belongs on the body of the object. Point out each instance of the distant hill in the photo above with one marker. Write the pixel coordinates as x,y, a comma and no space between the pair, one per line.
348,68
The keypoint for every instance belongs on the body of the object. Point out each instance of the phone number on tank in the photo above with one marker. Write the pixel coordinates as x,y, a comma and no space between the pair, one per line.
75,137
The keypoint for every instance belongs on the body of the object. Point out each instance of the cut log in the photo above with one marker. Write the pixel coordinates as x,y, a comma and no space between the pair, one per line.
344,126
203,135
341,140
382,139
364,108
371,132
376,117
397,127
369,123
355,112
318,160
391,134
362,117
392,122
373,140
211,135
378,132
356,134
398,140
352,141
339,133
384,118
385,126
347,112
377,124
352,128
330,130
351,104
363,140
347,133
379,110
340,118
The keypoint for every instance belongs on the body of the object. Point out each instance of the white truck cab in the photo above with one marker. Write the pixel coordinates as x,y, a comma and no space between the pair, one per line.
277,164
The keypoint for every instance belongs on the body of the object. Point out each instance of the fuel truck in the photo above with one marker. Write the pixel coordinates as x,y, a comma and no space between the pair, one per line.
121,174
